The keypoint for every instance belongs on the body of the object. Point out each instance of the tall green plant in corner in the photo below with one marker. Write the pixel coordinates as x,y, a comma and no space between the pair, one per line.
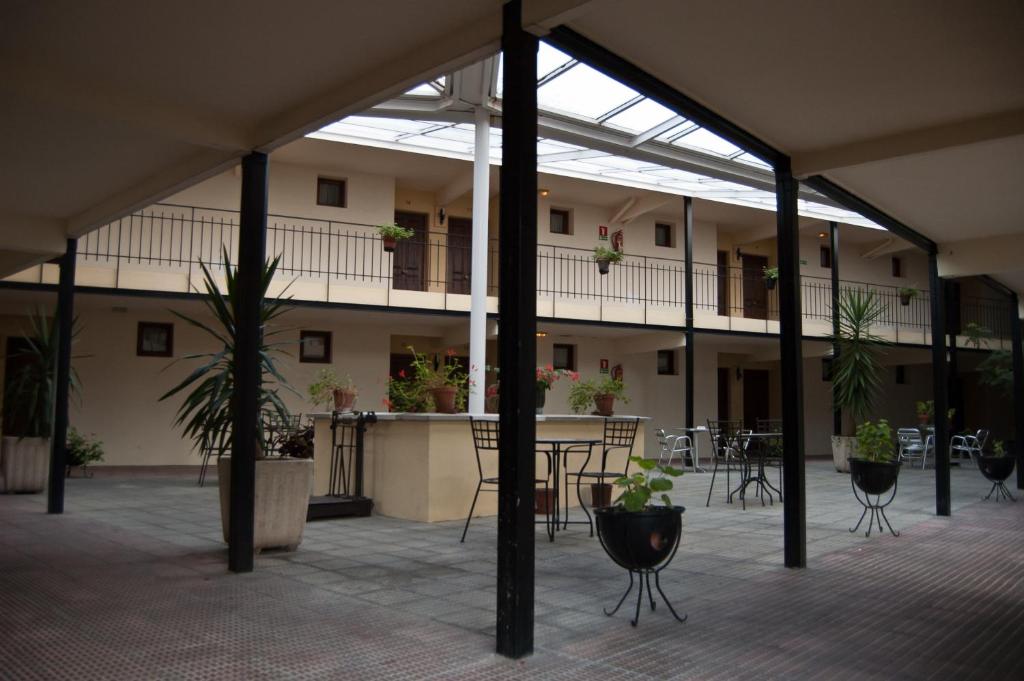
857,369
206,413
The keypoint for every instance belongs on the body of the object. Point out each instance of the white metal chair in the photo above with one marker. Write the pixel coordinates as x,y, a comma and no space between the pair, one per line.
911,446
966,447
676,446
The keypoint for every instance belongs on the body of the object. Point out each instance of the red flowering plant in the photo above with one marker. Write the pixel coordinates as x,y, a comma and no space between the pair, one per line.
547,375
410,391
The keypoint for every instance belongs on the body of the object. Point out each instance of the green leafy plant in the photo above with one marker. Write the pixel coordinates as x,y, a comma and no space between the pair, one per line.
909,292
410,391
925,409
857,370
31,391
998,449
977,335
396,232
639,489
607,254
996,371
321,390
82,450
875,441
206,413
582,393
771,273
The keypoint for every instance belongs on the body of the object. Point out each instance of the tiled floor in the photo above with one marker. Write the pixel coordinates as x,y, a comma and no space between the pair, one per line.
131,583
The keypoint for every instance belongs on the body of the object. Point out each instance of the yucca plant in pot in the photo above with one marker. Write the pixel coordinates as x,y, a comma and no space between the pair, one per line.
29,397
857,369
283,484
639,534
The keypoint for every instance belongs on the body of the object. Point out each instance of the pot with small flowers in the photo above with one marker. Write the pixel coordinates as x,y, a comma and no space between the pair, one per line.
546,377
640,534
997,467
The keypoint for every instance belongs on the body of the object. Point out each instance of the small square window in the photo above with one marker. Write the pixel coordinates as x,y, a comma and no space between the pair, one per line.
564,357
826,257
901,374
897,267
663,234
315,347
667,363
561,221
154,339
330,192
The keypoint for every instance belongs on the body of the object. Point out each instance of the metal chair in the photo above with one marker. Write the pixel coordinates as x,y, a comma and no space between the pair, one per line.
676,445
911,447
485,439
277,429
769,425
966,447
618,434
727,450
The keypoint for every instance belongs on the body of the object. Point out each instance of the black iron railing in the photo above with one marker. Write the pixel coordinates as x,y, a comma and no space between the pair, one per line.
179,238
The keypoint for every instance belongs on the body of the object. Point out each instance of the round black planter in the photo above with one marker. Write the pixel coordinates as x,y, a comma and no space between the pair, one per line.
640,540
996,468
873,477
770,284
602,266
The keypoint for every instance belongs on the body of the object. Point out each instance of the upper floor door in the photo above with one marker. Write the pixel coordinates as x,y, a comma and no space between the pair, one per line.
460,254
409,259
755,293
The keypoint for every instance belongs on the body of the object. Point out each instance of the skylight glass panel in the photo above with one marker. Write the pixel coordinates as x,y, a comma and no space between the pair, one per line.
582,91
752,160
455,134
433,142
706,141
363,131
549,59
622,163
640,117
396,124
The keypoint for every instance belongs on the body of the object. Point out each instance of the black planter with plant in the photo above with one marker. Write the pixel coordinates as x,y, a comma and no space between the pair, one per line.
604,257
639,536
907,294
875,473
996,468
771,277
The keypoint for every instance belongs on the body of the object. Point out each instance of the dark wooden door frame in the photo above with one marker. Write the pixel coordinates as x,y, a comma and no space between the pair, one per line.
409,261
460,255
756,396
755,293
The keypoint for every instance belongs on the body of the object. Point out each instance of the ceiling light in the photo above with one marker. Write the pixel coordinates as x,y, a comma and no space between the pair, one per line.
822,235
544,192
542,334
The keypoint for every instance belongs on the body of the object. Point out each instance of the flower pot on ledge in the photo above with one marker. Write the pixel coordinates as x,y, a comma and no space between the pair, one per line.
542,396
344,400
444,399
604,404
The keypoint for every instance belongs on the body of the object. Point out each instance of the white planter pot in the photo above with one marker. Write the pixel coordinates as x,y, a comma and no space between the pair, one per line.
283,488
843,448
24,464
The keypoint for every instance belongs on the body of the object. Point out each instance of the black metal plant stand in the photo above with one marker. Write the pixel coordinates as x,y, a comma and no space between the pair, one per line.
877,510
999,488
642,575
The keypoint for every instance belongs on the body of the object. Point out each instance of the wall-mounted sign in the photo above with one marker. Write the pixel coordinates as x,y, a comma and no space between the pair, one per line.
617,241
602,233
604,366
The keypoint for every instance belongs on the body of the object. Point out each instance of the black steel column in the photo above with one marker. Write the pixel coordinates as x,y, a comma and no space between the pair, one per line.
688,285
517,328
1018,386
790,333
833,239
62,384
940,385
252,245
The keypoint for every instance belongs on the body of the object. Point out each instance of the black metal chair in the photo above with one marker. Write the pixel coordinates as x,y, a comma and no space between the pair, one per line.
618,434
727,451
773,456
485,439
277,429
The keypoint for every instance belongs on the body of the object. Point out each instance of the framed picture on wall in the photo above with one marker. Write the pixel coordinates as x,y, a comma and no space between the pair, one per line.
315,347
154,339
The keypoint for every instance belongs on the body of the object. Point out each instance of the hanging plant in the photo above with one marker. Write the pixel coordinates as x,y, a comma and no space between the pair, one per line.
391,234
604,257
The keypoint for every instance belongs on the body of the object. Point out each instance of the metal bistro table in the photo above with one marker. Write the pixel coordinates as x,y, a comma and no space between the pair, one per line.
762,442
554,448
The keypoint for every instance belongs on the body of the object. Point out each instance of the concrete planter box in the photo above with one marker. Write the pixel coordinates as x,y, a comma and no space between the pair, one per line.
843,448
283,488
24,464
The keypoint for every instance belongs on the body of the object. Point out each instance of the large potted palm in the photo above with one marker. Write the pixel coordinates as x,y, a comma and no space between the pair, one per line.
856,368
283,484
25,457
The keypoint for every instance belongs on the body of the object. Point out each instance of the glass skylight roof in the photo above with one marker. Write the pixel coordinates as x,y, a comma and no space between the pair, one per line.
570,90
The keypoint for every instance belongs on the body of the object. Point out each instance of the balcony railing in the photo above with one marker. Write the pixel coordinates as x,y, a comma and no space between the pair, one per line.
176,239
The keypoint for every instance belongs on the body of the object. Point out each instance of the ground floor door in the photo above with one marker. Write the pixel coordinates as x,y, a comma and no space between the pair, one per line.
460,254
409,258
756,397
755,293
723,393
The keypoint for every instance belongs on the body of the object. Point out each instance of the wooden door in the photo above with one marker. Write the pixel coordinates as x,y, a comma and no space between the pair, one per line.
723,393
723,283
460,254
14,421
409,259
755,293
755,397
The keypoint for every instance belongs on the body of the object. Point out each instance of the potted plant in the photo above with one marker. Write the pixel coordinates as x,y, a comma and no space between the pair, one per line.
874,469
771,275
907,294
546,377
329,390
602,394
82,451
637,533
283,484
491,398
391,234
856,370
30,398
997,467
442,388
298,444
604,257
925,410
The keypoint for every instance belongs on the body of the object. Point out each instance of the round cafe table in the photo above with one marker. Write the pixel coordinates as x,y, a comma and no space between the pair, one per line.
554,448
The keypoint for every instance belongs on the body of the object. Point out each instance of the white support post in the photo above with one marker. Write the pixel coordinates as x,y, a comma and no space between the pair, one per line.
478,281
